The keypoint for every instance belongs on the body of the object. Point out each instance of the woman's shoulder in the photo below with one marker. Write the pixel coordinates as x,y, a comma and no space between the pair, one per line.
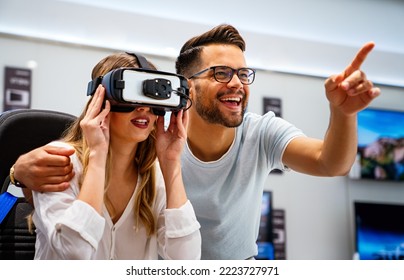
59,143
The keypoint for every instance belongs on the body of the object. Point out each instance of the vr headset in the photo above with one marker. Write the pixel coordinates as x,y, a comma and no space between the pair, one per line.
128,88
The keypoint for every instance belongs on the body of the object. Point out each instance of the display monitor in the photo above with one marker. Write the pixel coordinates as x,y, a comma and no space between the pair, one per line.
380,145
379,229
265,239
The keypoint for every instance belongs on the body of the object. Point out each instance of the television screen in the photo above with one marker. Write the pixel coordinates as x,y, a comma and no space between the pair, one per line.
380,145
265,239
379,230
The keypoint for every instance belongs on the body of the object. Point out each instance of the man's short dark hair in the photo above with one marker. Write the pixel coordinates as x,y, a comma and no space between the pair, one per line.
189,57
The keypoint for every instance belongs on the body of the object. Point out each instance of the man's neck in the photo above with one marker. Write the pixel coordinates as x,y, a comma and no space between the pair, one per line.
209,142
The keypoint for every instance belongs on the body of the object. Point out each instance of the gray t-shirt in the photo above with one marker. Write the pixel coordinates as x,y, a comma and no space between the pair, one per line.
226,194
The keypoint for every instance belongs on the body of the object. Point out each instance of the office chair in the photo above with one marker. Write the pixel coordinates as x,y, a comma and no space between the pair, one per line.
23,130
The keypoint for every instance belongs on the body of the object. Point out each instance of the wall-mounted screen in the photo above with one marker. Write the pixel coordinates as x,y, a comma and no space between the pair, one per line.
265,239
379,230
380,145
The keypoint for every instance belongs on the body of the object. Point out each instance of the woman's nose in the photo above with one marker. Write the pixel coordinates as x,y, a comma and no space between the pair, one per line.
143,109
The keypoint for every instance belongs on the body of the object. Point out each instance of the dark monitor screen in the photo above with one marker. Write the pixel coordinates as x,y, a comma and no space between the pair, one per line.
265,239
379,231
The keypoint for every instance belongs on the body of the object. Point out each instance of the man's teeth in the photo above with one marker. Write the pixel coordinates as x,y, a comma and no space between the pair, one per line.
232,99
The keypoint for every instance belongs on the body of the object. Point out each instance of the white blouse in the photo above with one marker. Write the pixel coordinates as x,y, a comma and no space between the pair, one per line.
68,228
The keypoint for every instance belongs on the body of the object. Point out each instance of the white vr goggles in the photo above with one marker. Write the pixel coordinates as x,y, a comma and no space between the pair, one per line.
129,88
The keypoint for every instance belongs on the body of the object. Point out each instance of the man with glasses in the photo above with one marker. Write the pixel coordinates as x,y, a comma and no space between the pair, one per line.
230,152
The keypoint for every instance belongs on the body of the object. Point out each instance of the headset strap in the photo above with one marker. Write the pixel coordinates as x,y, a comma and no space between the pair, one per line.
141,59
92,85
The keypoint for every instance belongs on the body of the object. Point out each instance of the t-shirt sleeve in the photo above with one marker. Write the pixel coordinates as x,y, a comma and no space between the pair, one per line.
274,135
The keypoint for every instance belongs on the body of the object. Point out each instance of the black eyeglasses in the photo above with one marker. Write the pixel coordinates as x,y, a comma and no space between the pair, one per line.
224,74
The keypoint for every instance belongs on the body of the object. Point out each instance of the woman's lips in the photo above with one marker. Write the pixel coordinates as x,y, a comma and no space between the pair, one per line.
141,122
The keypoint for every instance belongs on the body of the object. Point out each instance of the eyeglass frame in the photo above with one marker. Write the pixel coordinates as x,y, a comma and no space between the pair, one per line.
234,71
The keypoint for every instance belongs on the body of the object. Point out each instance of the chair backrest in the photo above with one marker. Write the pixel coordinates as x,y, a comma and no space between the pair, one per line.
21,131
17,241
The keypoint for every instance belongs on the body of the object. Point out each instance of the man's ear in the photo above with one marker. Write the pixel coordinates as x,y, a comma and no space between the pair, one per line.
191,86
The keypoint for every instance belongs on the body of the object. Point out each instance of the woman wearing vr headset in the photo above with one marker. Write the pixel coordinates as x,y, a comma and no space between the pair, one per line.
122,203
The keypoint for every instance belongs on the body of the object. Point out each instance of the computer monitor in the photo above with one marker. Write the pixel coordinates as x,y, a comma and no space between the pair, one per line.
379,229
380,145
265,237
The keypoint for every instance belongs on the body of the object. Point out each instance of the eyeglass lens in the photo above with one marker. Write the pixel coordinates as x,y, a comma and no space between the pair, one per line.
224,74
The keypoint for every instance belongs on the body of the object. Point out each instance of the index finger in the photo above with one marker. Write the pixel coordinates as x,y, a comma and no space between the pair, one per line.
55,156
52,149
359,58
95,105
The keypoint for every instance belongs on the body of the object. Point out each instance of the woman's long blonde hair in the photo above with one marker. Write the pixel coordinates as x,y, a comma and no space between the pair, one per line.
145,154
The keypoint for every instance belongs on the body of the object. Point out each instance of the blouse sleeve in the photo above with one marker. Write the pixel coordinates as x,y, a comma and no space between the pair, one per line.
73,228
178,231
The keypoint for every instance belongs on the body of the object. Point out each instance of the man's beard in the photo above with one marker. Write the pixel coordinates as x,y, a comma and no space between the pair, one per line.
213,115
